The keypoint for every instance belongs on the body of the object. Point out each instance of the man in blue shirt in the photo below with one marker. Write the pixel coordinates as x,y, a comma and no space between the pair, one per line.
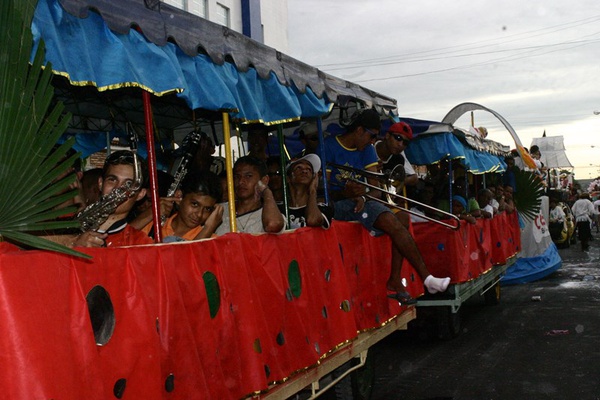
355,149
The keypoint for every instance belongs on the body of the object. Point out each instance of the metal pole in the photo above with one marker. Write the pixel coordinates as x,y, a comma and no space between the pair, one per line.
450,182
283,161
108,147
229,169
323,160
152,167
467,186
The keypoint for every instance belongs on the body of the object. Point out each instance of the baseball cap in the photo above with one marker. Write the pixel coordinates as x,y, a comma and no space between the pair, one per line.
401,128
313,159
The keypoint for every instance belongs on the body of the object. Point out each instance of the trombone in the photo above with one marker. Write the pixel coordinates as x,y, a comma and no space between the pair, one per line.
388,178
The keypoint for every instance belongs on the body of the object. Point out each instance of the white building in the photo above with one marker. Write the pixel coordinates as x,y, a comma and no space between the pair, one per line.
263,20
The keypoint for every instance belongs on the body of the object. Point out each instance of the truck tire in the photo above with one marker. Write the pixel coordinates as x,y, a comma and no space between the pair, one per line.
448,323
356,386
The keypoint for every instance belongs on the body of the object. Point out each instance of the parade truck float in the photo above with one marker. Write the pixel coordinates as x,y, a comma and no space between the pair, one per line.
231,317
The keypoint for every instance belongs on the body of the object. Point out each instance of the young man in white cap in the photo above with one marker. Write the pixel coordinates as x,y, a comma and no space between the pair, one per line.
303,179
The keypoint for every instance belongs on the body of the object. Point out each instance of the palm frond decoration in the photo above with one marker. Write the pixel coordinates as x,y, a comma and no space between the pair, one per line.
528,194
29,131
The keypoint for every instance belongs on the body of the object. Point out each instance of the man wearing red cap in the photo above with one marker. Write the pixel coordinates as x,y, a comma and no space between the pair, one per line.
390,151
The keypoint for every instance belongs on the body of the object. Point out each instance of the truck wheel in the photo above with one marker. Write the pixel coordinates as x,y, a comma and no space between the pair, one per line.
356,386
492,295
448,323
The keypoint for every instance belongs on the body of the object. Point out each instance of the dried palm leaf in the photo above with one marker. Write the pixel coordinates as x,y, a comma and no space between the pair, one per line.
29,131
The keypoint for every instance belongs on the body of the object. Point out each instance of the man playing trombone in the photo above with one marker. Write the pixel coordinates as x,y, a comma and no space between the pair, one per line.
390,151
354,149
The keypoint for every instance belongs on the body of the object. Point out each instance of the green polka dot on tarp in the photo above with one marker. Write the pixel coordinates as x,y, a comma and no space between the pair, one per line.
257,346
345,306
294,279
213,293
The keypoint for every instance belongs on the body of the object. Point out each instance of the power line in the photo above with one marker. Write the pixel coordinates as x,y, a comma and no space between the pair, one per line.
469,46
528,48
498,60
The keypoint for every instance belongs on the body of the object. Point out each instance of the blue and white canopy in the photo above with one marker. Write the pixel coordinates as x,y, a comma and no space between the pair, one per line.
116,44
434,141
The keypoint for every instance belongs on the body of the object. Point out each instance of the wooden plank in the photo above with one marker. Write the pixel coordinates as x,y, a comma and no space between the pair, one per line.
363,342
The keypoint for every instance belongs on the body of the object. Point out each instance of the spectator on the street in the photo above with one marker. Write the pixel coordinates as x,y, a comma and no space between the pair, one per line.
583,211
557,219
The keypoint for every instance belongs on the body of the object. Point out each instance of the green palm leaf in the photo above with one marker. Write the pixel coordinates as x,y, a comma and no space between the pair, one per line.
29,130
528,194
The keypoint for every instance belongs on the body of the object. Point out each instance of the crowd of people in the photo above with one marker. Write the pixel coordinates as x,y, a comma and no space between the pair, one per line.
585,210
198,208
585,215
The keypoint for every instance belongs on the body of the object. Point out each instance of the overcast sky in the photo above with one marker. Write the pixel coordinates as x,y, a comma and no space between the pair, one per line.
537,63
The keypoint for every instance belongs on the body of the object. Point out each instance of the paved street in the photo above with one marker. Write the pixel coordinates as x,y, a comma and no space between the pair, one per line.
523,348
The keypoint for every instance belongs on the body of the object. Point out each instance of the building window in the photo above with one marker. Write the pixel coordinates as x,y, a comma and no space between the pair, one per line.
223,17
181,4
200,7
203,8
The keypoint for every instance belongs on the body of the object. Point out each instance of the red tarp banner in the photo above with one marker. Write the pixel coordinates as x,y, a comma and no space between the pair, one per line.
215,319
465,254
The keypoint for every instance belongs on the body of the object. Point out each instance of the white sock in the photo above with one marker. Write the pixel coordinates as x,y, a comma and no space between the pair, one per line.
435,285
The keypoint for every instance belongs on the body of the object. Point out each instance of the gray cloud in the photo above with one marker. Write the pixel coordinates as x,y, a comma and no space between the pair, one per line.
535,62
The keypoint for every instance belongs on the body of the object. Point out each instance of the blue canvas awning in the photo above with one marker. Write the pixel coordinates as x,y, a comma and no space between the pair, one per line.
88,51
428,149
